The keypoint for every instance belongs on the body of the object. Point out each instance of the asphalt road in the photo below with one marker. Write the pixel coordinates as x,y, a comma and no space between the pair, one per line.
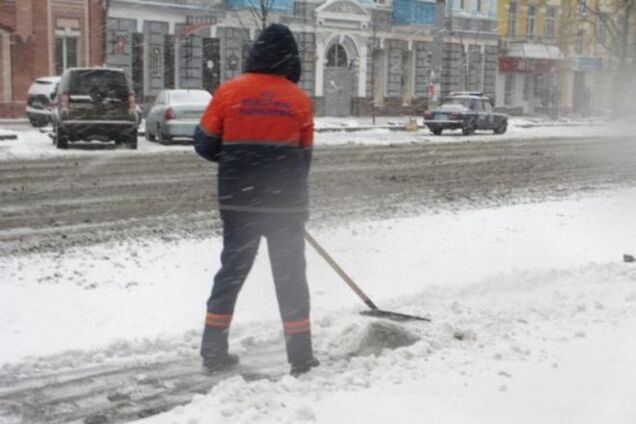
56,203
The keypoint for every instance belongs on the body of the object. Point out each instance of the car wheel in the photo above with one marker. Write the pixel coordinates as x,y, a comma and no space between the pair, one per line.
61,138
470,128
502,128
131,140
37,121
162,138
126,139
149,136
436,131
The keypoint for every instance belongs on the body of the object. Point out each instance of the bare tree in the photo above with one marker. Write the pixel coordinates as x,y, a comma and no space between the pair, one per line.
612,18
613,24
260,10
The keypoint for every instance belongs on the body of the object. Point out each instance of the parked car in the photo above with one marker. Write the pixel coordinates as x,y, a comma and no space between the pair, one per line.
40,100
95,104
468,111
175,114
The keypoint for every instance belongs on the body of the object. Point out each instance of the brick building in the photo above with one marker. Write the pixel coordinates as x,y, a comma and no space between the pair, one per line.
44,37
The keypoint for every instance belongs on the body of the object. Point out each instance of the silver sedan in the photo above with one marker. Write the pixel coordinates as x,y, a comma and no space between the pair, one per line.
175,114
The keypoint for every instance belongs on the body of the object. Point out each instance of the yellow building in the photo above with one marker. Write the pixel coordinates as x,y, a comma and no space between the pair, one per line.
590,40
530,58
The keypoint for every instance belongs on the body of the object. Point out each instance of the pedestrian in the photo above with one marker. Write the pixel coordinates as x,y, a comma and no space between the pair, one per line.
259,129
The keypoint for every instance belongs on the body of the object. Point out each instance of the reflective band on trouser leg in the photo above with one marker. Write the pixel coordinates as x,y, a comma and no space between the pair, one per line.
297,327
218,320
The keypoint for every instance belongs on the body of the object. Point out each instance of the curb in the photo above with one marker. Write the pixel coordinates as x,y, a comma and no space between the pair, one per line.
364,128
8,137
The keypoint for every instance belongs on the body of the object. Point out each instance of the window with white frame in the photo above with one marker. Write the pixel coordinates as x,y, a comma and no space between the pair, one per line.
337,56
67,49
512,18
578,42
601,30
550,22
531,20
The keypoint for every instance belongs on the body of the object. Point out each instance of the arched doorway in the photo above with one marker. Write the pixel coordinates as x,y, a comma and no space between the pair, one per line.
339,79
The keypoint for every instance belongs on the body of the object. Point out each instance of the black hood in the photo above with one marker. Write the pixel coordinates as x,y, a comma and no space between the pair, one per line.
275,52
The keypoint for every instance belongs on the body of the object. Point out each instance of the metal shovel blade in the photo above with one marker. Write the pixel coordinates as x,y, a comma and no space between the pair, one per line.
395,316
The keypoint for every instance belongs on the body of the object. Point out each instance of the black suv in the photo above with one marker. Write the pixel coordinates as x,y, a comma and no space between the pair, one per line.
95,104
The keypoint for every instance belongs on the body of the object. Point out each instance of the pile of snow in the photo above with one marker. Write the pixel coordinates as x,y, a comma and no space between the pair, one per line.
531,309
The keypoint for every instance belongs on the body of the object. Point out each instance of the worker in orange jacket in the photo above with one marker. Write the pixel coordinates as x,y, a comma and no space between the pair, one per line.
259,129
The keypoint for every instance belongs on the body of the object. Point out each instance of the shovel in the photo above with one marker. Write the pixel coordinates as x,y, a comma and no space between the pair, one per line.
373,311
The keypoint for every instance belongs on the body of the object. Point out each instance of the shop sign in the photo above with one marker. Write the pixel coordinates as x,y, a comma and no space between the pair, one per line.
586,64
519,64
195,23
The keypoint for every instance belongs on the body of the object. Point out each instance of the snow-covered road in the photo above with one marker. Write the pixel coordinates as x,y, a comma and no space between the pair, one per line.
513,245
532,307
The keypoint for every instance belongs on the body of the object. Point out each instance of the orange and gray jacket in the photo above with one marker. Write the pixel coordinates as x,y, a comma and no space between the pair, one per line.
259,128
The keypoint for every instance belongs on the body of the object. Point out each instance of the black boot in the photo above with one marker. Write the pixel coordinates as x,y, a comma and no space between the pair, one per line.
214,350
301,368
300,353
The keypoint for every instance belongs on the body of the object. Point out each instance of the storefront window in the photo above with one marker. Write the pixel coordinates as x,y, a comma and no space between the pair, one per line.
527,82
509,89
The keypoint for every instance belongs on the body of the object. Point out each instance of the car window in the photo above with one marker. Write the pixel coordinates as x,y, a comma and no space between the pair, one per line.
45,87
189,96
466,102
477,105
105,83
487,106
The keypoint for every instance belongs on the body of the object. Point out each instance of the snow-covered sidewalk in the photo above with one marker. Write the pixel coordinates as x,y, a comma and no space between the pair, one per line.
532,311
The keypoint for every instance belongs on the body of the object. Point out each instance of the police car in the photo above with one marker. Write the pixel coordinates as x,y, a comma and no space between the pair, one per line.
468,111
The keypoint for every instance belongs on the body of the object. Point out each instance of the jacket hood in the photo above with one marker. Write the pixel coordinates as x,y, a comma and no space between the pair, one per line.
275,52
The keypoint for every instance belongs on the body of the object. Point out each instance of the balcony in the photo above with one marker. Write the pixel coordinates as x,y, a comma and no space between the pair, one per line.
414,12
286,6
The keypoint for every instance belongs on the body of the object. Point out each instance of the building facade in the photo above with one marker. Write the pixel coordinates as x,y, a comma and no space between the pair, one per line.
597,39
44,37
530,59
358,57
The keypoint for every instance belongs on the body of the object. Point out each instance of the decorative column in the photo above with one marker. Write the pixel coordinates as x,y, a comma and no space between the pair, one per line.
320,64
362,71
5,64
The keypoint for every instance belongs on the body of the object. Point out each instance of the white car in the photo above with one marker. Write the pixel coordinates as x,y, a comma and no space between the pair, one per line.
40,100
175,114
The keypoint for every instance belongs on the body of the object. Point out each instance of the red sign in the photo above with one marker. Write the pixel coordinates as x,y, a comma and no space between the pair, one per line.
518,64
